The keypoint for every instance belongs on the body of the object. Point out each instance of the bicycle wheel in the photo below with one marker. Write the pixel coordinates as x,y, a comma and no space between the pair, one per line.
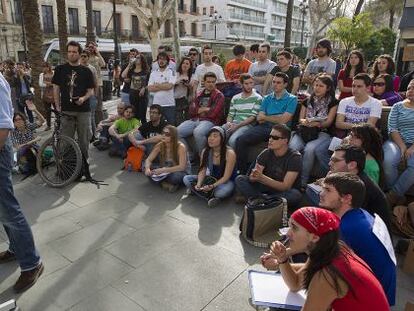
59,162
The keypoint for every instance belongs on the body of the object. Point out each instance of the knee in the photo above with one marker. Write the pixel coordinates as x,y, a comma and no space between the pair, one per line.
188,179
224,191
242,180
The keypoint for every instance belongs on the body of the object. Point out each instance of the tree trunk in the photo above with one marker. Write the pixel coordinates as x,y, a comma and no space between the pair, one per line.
62,29
358,8
30,11
176,35
391,21
311,45
90,31
288,26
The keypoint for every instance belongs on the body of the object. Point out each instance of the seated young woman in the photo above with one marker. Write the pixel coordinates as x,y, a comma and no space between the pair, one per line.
217,161
317,114
367,137
24,139
167,163
333,276
383,89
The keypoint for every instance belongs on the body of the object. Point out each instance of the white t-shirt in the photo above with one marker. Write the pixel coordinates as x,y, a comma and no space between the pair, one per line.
163,98
316,66
202,69
359,113
261,69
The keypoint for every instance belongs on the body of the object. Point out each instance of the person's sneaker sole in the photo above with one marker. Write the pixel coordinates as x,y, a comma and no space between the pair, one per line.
21,290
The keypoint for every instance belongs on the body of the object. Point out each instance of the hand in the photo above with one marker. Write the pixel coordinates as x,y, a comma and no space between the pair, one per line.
401,213
197,187
409,152
142,92
255,175
403,150
207,188
120,138
80,101
269,261
279,251
383,102
158,171
203,110
30,105
148,171
261,117
303,121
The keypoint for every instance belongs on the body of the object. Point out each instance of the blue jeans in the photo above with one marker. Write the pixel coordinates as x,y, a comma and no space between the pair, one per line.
308,152
252,136
169,114
148,147
121,147
15,224
252,189
175,178
392,157
323,154
125,98
198,129
222,191
233,136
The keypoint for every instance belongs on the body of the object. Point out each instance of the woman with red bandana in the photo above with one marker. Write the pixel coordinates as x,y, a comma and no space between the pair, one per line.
333,276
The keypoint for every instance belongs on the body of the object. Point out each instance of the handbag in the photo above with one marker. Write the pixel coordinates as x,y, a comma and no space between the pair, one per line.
307,133
208,180
262,218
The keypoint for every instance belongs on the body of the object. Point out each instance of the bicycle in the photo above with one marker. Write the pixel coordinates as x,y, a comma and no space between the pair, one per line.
59,160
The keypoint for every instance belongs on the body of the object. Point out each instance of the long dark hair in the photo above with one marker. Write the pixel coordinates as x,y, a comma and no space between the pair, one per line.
389,81
208,149
359,68
330,92
144,64
390,68
321,257
190,70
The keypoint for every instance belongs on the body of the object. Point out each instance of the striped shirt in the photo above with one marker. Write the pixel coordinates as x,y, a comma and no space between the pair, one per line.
242,108
401,120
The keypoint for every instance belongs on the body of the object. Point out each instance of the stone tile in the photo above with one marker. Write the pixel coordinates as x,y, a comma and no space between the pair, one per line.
98,211
53,229
143,245
107,299
74,283
184,277
91,238
85,193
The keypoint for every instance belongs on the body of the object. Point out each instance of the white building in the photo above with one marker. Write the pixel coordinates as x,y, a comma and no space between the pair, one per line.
252,20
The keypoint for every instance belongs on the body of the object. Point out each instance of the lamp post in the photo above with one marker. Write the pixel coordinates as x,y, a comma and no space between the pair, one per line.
115,22
215,19
303,7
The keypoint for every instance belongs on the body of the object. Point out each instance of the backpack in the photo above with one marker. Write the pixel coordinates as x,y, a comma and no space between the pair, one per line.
262,218
133,160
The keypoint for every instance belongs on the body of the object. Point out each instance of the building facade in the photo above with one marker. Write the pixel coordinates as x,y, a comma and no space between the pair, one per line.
405,40
252,20
128,23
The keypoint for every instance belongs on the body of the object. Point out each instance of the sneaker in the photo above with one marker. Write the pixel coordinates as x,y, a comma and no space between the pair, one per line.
213,202
189,192
7,256
28,278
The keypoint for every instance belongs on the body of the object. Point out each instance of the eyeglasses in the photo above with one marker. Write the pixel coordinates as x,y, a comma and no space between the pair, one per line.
335,160
167,134
275,137
378,84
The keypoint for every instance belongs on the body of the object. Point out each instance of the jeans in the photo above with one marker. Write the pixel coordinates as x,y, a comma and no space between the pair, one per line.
15,224
181,110
222,191
125,98
93,102
175,178
233,136
140,105
308,152
252,189
21,106
323,154
199,129
79,122
47,106
392,157
252,136
148,147
312,196
121,147
169,114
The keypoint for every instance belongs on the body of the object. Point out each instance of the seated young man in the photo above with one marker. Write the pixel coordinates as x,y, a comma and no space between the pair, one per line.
243,110
277,170
119,132
150,133
344,194
277,108
103,127
206,111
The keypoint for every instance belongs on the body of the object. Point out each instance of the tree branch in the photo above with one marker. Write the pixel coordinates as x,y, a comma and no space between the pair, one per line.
140,12
166,11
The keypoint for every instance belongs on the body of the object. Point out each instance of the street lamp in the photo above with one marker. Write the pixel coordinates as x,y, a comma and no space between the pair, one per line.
303,7
215,19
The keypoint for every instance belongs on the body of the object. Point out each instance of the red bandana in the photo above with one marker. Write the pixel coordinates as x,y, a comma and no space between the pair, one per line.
316,220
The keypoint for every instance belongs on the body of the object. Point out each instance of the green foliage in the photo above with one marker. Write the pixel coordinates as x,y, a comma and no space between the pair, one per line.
380,42
351,32
388,38
300,51
222,60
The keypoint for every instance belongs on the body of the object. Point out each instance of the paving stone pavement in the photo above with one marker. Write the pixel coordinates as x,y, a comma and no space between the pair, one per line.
132,246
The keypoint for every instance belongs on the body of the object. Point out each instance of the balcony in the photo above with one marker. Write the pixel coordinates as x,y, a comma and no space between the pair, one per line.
245,33
254,3
246,17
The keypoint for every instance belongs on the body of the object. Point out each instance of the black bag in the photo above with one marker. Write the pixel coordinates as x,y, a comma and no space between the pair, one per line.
307,133
263,216
208,180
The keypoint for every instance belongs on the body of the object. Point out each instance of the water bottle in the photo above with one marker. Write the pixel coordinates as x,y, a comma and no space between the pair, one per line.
129,167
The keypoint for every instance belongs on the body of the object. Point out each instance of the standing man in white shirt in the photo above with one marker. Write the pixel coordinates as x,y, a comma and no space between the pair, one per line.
197,79
262,67
161,84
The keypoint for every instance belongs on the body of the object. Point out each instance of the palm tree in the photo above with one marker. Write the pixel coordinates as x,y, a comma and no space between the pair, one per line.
288,26
31,17
62,28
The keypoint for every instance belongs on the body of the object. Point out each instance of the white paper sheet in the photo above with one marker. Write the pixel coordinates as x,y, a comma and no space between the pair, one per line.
381,232
269,289
335,142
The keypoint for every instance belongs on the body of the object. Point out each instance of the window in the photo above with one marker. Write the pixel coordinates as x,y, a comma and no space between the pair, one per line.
194,29
17,12
204,11
135,27
211,10
96,19
1,7
204,28
193,6
167,29
47,18
118,23
181,5
181,27
73,21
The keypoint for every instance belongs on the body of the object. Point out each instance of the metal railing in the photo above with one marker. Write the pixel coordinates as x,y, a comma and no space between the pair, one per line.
255,3
244,33
248,17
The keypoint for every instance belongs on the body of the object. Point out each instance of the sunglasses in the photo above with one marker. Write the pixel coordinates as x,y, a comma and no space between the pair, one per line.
167,134
275,137
378,84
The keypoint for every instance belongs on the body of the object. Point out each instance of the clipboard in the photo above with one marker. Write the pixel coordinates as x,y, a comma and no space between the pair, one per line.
269,289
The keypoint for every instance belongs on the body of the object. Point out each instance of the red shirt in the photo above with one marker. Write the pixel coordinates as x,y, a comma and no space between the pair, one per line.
367,291
347,82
